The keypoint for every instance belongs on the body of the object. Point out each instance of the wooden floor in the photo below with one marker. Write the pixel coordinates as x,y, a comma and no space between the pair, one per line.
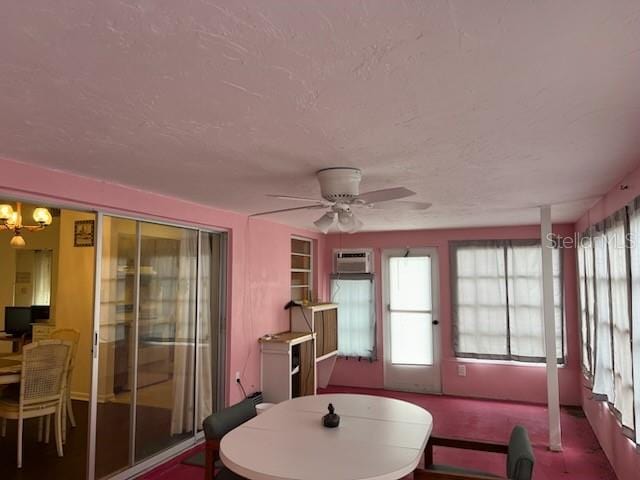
40,461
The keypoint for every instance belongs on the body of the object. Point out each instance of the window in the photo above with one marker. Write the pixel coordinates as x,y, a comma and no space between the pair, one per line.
634,239
357,325
620,320
497,300
611,262
301,269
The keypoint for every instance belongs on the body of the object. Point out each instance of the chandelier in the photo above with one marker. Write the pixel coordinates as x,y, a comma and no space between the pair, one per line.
11,220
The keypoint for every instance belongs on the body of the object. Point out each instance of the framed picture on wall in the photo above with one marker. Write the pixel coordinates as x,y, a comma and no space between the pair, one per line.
84,233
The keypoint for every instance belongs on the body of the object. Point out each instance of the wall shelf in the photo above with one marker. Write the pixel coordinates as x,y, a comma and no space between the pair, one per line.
301,268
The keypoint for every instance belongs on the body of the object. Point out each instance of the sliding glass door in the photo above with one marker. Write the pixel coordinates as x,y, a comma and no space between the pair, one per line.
160,339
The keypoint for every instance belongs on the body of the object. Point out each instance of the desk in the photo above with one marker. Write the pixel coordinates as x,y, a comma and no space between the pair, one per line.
378,439
16,342
10,370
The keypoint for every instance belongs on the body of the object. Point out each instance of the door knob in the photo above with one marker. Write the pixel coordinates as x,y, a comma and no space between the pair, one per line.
436,322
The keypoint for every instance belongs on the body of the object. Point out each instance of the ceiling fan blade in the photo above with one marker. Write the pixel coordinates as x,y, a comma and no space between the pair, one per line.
400,205
298,199
377,196
306,207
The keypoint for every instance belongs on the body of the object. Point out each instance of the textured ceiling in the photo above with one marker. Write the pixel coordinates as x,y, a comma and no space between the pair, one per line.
485,109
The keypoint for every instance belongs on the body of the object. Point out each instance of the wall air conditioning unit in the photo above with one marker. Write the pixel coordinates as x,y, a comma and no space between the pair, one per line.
353,261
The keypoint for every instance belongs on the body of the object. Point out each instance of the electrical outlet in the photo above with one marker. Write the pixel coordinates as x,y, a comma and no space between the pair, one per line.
462,370
237,377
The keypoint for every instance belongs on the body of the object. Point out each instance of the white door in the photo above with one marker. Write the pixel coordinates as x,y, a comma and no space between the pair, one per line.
411,331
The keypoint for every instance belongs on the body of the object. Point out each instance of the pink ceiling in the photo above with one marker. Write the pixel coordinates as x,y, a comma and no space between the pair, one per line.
486,109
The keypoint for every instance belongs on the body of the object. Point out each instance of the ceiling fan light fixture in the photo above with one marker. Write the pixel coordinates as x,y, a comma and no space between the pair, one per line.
348,222
326,221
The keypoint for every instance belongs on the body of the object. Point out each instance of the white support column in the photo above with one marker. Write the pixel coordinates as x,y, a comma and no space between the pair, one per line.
553,396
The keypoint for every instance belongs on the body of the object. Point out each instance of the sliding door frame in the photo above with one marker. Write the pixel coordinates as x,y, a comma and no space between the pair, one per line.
222,384
95,351
221,372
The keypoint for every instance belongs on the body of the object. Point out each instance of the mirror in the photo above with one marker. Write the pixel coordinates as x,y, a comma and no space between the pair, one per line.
32,285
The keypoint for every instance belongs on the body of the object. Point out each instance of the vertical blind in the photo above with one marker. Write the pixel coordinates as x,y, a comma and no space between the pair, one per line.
609,294
357,325
497,300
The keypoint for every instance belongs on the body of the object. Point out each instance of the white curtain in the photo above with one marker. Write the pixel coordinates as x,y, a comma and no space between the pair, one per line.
622,364
205,337
603,375
480,310
182,413
524,281
634,235
356,328
498,300
585,335
42,265
590,291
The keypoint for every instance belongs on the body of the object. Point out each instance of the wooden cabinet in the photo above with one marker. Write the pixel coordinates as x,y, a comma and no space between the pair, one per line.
42,331
330,331
323,320
288,367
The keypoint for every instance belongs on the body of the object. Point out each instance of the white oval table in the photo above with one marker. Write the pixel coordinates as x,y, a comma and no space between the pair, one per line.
378,439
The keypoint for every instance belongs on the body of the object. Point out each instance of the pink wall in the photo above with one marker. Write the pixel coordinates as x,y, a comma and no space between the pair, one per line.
621,452
488,380
259,261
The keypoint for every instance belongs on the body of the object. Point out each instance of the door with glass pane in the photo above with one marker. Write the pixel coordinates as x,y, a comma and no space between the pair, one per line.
411,332
158,335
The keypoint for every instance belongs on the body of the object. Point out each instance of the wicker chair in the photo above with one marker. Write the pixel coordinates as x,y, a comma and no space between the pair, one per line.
72,336
42,388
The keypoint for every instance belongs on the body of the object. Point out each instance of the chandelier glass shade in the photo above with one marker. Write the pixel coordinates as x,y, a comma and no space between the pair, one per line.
11,220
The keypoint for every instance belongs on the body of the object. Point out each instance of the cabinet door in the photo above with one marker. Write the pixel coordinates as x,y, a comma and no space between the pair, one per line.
330,334
306,376
318,326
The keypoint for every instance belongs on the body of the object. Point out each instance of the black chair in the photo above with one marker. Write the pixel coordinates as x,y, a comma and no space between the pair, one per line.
217,426
520,459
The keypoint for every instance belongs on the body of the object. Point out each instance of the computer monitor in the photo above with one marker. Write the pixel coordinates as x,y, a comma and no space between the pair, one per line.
17,320
40,313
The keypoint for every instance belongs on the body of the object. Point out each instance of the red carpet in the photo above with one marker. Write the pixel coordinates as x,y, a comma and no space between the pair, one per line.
581,458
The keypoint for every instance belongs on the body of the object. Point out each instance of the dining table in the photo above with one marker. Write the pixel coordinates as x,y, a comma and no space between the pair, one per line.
378,438
10,367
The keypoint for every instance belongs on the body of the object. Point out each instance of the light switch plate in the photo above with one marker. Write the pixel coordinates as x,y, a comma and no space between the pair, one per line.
462,370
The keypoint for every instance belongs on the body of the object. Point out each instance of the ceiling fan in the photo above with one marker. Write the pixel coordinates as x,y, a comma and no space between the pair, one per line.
340,190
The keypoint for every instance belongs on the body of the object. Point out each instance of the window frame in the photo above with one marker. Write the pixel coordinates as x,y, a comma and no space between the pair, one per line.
503,244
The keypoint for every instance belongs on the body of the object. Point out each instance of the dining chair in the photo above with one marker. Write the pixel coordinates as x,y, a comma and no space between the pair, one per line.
217,426
520,459
42,388
73,336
